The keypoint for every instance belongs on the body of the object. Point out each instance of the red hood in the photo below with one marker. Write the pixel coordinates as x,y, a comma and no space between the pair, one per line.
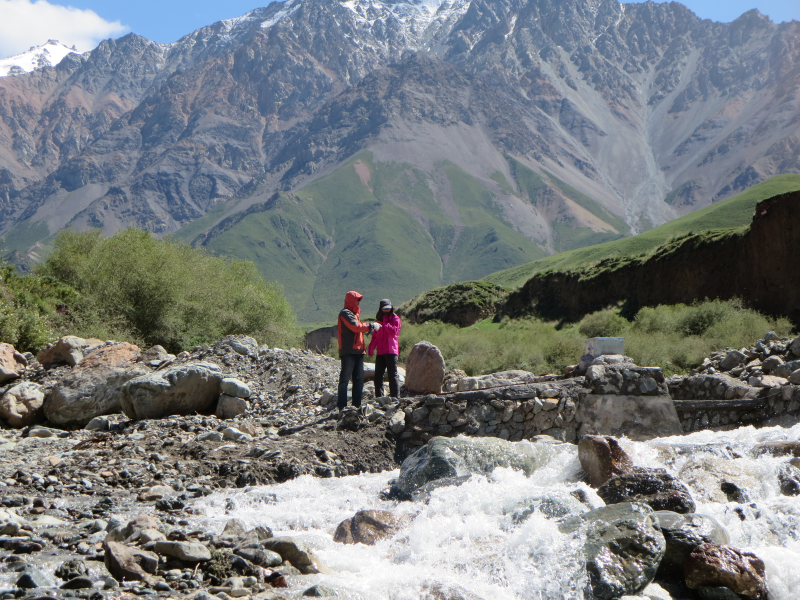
351,302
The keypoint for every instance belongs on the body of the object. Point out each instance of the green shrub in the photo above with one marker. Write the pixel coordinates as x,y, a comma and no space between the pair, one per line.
604,323
29,308
675,338
135,287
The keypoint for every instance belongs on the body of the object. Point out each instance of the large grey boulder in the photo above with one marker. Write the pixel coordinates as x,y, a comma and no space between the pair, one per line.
183,389
449,458
623,548
654,487
126,563
94,387
22,405
297,553
424,369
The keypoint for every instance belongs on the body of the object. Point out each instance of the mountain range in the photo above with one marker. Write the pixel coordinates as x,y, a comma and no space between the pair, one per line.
392,147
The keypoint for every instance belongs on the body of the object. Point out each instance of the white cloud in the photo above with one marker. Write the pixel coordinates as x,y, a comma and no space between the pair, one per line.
24,24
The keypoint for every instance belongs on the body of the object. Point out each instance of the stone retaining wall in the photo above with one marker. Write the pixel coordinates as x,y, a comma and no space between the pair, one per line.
610,400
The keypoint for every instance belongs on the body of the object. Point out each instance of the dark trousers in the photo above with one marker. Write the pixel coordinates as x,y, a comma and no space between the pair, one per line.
386,362
352,366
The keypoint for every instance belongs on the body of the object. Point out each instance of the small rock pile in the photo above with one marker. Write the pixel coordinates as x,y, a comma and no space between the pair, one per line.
772,362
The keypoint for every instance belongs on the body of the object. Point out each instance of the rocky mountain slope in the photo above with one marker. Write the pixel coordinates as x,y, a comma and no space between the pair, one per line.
313,136
37,57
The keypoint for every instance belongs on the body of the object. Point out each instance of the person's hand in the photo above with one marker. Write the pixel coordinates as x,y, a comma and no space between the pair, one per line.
376,326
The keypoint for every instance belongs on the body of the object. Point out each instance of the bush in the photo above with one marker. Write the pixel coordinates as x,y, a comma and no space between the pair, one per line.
604,323
675,338
133,286
29,308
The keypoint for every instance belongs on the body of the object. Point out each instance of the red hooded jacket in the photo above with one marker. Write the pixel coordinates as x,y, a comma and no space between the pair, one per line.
351,330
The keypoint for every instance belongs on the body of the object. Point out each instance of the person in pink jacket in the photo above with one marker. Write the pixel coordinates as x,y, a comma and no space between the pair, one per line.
385,342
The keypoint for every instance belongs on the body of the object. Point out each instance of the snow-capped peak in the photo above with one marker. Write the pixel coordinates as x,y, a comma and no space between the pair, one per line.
46,55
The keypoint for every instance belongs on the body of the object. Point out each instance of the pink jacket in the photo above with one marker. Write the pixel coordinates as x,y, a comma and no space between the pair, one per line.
385,339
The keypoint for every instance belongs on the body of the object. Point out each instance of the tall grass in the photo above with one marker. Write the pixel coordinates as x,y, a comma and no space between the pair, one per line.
675,338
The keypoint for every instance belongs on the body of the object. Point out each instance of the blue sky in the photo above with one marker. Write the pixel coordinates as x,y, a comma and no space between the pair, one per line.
24,23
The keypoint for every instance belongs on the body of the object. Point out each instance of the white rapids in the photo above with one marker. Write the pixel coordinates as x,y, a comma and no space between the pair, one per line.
466,535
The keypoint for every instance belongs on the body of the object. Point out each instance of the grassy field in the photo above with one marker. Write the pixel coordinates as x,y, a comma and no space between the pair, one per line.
731,213
675,338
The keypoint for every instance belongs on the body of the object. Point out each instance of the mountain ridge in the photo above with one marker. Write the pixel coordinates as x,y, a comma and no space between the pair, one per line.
576,120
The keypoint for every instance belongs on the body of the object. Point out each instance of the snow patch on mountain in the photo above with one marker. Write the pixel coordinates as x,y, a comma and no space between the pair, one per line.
46,55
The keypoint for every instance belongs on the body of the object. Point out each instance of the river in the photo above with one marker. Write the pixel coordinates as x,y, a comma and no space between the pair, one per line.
473,535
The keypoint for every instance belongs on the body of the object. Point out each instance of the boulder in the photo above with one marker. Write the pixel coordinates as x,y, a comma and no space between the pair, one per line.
601,458
771,363
189,388
230,407
94,387
186,551
69,349
12,363
297,553
369,527
733,359
131,564
794,377
424,369
448,458
723,566
623,548
234,387
241,344
156,492
684,533
22,404
397,422
132,529
787,368
778,448
71,569
31,578
639,417
259,557
553,505
794,346
654,487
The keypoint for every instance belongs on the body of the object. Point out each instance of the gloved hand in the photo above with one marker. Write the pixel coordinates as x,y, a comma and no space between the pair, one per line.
376,326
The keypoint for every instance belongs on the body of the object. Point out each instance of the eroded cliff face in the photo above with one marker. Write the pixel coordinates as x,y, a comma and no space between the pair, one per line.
757,265
645,108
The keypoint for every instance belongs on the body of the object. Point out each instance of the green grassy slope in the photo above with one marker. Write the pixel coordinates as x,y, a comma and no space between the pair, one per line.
731,213
386,236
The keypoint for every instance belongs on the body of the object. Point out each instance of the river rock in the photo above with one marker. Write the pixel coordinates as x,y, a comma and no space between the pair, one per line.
230,407
623,548
186,551
71,569
22,404
259,557
297,553
241,344
32,578
733,359
179,390
445,458
156,492
12,363
778,448
69,349
601,458
424,369
654,487
553,505
794,346
94,387
441,591
132,528
397,422
131,564
369,527
234,387
684,533
723,566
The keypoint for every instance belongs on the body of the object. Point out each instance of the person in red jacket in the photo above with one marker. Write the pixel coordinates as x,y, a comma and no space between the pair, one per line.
351,348
385,341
